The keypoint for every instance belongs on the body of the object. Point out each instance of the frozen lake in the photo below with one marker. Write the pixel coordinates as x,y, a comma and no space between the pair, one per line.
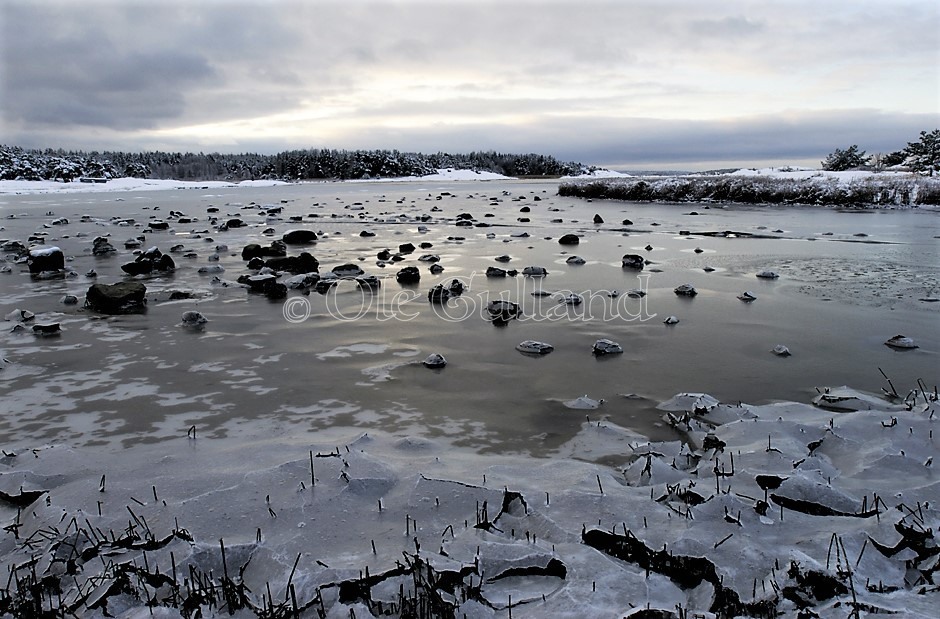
316,468
848,281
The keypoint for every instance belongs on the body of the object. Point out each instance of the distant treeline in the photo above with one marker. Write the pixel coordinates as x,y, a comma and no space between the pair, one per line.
881,190
21,164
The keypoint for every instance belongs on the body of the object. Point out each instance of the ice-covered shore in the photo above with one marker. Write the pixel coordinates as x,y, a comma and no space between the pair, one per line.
760,510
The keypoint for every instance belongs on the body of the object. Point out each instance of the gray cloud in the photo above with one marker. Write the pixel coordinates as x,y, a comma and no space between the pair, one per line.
599,81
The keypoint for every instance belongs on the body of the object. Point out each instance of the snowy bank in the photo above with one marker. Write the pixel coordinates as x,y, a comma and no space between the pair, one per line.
121,184
770,186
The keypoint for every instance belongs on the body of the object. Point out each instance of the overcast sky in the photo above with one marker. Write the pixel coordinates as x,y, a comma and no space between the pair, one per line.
652,84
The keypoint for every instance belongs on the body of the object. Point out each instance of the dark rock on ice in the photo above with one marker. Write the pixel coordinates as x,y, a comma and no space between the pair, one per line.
299,237
147,262
45,259
276,249
193,318
119,298
435,361
324,285
598,219
606,347
633,261
368,282
685,290
569,239
438,294
348,270
276,290
901,341
258,283
408,275
495,272
501,311
49,328
101,246
533,347
304,263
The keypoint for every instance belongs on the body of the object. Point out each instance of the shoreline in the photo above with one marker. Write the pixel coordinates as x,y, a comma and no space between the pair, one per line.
335,515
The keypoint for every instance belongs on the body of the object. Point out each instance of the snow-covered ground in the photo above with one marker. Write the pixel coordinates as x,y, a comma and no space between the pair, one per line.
761,511
142,184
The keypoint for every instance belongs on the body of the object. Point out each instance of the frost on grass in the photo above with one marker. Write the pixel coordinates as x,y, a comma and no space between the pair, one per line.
812,188
757,511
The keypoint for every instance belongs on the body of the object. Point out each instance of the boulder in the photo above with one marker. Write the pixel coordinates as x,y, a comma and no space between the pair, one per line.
436,268
435,361
495,272
277,249
193,318
575,260
299,237
147,262
606,347
406,248
598,219
119,298
304,263
49,328
633,261
348,270
569,239
101,246
685,290
408,275
535,271
501,311
438,294
768,275
532,347
45,259
368,282
902,342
